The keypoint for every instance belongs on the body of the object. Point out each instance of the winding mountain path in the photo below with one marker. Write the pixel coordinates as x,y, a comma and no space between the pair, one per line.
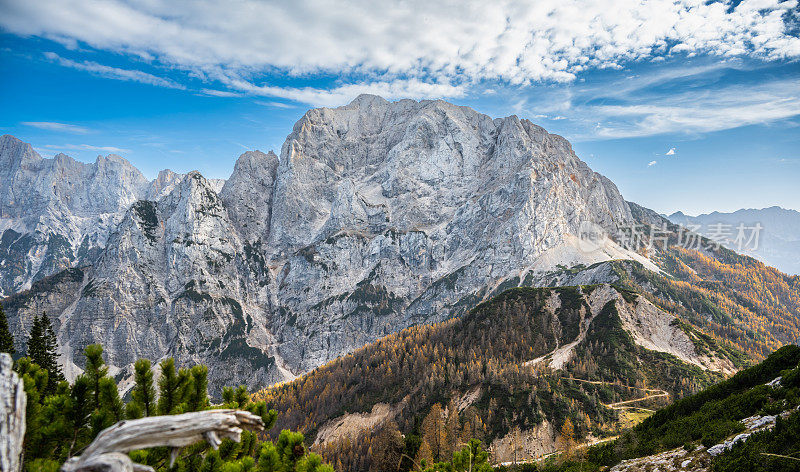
623,405
653,393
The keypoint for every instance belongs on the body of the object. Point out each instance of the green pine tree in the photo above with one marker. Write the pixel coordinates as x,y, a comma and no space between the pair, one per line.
111,408
212,462
34,379
171,387
34,347
43,351
61,424
143,394
107,405
197,389
6,340
95,370
79,413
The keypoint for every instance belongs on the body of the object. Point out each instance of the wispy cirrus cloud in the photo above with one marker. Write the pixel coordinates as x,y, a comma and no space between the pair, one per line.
55,126
85,147
274,104
702,111
220,93
114,72
668,98
405,88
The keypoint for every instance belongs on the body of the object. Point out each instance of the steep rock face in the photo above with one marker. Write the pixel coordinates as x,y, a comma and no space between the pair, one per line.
162,185
172,282
57,212
248,194
377,216
388,214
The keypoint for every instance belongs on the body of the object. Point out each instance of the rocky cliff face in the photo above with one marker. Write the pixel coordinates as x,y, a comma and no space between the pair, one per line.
388,214
376,216
57,213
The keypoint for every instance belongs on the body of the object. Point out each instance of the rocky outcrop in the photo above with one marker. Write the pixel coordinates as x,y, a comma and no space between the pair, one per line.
247,194
376,216
395,212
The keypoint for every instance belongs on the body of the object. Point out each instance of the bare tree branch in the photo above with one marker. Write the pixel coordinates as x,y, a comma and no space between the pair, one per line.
107,452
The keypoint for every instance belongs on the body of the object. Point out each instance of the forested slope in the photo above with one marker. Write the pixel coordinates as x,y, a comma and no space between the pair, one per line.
529,359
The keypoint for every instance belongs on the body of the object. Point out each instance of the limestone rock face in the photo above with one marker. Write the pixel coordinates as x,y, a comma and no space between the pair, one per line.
248,193
389,214
55,213
58,213
376,216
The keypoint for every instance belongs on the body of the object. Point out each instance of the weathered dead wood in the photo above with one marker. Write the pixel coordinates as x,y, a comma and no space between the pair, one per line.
12,416
106,452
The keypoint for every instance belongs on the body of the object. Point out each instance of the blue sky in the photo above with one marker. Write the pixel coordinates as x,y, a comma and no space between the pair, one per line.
684,105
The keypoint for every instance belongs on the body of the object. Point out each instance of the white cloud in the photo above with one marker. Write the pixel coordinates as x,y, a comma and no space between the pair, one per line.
86,147
671,152
220,93
691,99
114,72
274,104
685,97
53,126
703,111
651,163
434,42
397,89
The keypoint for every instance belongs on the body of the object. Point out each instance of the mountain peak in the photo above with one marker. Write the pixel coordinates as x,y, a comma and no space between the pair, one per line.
15,151
247,194
8,139
253,158
395,211
366,100
112,158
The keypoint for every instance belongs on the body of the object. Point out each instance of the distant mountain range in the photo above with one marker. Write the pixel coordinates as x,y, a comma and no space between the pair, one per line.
777,244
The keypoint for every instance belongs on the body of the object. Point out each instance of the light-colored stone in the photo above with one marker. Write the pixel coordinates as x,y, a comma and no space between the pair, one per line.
12,416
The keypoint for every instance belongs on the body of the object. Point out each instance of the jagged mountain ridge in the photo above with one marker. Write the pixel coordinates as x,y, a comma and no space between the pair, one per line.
57,213
376,216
